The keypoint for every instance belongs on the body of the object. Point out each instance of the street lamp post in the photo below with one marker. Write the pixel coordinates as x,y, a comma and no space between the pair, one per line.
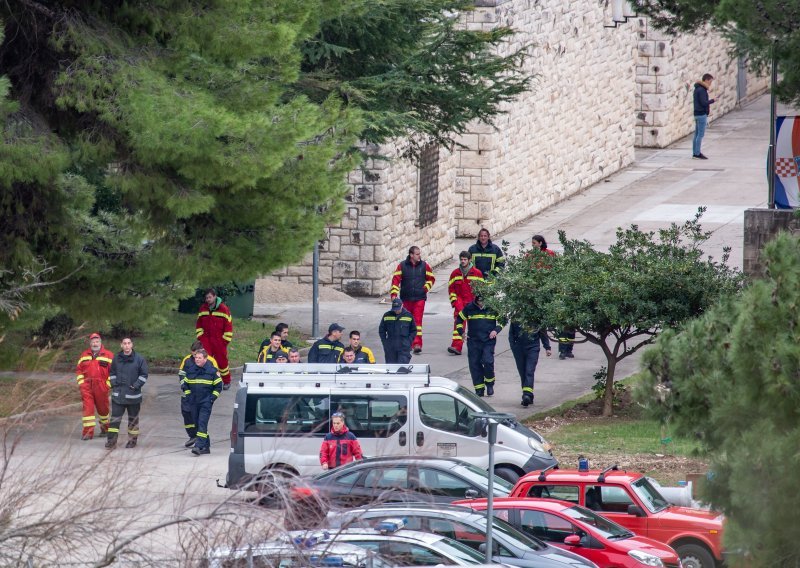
315,292
772,115
492,420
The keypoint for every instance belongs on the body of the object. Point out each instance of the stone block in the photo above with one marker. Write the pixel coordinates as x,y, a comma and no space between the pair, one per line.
471,210
358,287
342,269
654,102
367,253
299,270
644,118
366,223
470,141
355,177
487,211
373,238
482,192
663,48
372,270
471,172
487,142
646,48
333,243
660,65
349,252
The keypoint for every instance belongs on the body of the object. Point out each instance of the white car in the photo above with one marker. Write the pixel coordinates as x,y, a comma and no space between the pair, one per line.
298,553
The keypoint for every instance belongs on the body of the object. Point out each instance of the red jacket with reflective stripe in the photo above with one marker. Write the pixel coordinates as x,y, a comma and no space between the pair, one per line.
460,287
215,323
339,448
93,367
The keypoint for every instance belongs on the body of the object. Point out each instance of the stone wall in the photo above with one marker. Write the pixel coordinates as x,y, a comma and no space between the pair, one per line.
666,70
760,227
572,129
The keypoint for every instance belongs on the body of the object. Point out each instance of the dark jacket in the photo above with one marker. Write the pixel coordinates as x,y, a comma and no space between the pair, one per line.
702,104
488,259
203,380
339,449
411,281
325,351
127,377
481,322
522,340
397,331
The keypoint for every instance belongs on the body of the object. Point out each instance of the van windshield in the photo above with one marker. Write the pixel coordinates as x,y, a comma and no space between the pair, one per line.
474,400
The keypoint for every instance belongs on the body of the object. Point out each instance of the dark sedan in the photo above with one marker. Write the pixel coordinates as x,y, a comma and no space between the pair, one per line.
398,479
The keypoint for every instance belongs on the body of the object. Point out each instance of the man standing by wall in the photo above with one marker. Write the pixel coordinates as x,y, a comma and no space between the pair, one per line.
412,280
215,330
702,107
482,329
487,256
329,348
127,377
92,376
397,331
461,294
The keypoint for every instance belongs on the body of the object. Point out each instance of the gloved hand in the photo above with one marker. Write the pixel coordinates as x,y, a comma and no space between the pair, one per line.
132,387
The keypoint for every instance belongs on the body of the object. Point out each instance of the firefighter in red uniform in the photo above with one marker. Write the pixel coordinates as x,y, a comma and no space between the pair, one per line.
340,445
215,331
461,294
92,376
412,280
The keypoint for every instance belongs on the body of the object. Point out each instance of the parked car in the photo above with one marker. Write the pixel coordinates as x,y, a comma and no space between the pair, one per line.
630,500
579,530
401,546
467,527
396,479
296,553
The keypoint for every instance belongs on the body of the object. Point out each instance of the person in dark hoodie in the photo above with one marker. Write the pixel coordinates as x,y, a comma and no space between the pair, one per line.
702,107
487,256
127,376
204,384
340,445
525,348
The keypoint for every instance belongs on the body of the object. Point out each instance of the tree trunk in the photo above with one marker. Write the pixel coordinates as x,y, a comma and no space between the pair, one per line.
608,399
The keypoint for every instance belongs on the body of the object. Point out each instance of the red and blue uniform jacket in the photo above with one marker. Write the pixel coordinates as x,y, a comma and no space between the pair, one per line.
339,448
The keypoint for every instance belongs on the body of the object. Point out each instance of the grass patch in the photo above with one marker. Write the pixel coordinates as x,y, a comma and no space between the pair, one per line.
27,395
163,345
610,435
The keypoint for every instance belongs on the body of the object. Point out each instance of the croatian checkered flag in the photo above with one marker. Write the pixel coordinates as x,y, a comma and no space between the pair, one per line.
787,162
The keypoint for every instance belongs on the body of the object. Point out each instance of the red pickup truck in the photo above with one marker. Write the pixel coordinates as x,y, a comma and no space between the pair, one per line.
632,501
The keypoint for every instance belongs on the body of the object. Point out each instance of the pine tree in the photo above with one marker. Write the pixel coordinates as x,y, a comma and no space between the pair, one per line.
732,377
619,300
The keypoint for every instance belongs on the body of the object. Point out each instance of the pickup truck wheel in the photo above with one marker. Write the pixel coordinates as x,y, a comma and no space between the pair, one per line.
507,473
695,556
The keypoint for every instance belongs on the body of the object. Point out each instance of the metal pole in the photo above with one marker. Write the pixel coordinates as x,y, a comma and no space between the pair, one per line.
490,498
315,292
772,142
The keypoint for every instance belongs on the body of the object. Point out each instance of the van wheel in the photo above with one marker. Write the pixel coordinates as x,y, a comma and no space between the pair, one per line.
272,484
695,556
507,473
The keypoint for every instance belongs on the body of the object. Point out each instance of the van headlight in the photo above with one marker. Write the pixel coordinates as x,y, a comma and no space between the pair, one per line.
538,445
645,558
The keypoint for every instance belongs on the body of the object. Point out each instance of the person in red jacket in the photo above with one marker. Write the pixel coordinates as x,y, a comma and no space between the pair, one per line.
412,280
461,294
92,376
340,445
215,331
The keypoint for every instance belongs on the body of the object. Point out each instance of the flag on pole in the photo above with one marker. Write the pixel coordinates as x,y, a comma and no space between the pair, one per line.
787,162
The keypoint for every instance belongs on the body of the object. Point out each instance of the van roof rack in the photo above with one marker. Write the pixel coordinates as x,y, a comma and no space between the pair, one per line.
337,373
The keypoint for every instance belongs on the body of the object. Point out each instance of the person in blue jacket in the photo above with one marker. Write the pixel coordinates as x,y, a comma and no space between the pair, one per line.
202,386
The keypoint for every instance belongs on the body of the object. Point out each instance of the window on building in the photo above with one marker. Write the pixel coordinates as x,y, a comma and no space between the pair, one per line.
428,190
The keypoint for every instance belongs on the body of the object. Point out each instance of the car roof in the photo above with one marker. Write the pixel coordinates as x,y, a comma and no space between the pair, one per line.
400,534
522,502
284,546
420,507
575,476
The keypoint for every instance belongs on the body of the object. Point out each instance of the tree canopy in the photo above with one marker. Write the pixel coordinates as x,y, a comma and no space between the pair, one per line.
149,148
755,28
619,300
732,378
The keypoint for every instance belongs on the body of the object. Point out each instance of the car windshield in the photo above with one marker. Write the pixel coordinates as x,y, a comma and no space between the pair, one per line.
461,552
606,528
480,477
649,495
516,537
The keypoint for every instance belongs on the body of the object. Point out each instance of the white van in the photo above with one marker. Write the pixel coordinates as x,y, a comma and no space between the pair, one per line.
282,412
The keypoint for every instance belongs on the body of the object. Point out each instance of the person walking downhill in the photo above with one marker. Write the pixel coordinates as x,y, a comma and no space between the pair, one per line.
204,385
397,332
525,348
565,336
215,329
91,373
412,280
487,256
340,446
702,108
482,329
127,377
461,294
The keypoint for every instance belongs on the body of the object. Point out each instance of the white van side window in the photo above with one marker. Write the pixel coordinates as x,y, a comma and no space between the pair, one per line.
372,416
443,412
286,415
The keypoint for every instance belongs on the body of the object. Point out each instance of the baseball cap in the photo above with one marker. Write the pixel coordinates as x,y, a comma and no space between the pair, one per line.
95,335
335,327
281,355
397,303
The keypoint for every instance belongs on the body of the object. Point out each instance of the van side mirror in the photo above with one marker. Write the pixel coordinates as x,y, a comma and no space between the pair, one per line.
484,427
572,540
635,511
471,494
